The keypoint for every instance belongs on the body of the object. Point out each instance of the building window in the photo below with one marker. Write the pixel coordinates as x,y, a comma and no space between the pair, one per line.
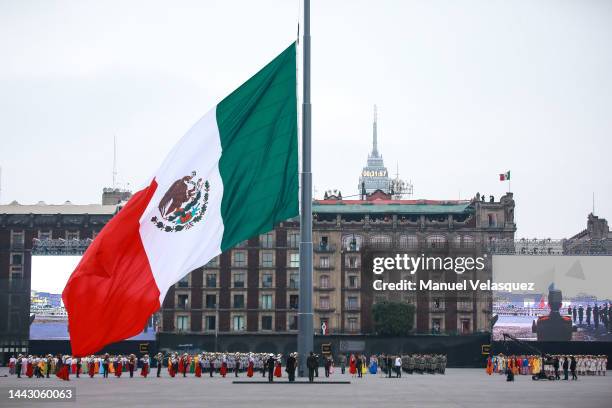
468,241
239,279
266,301
492,220
294,280
294,260
267,259
182,301
380,241
436,241
352,302
17,238
238,323
266,322
211,323
352,324
184,282
293,240
213,263
211,301
408,241
16,259
465,326
211,280
44,235
267,280
239,301
324,262
294,302
464,304
351,242
324,282
353,281
267,240
324,302
293,322
324,243
352,261
182,323
70,235
436,326
239,259
437,304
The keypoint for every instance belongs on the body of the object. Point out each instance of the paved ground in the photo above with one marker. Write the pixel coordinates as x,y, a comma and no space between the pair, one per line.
465,388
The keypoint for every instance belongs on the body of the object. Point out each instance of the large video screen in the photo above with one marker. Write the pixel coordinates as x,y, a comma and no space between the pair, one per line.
532,289
49,277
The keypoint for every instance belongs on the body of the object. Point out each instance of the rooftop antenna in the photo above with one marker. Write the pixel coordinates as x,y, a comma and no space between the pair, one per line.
0,184
115,161
593,203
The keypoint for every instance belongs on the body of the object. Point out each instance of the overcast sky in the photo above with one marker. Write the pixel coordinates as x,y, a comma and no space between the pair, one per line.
466,90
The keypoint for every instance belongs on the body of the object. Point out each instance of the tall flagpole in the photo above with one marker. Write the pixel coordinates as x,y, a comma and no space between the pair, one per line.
305,325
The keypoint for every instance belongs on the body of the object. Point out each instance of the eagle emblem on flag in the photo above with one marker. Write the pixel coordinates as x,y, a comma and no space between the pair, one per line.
183,205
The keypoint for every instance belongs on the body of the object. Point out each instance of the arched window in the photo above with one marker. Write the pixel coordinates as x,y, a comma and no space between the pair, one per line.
408,241
380,241
436,241
468,241
351,242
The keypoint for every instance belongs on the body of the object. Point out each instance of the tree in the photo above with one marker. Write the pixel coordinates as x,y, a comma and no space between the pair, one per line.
393,318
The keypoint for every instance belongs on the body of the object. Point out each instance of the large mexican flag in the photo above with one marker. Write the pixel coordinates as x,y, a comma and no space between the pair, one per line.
232,176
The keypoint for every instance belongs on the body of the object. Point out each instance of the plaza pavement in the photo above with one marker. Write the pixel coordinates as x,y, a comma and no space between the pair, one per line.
459,388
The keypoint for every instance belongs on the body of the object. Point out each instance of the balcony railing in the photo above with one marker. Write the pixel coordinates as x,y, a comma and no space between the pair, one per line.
323,248
60,246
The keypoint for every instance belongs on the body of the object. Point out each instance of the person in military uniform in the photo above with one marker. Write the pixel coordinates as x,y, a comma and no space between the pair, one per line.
311,363
270,363
291,366
159,358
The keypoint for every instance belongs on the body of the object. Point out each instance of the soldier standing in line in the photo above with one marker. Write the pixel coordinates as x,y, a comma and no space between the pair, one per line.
160,359
132,365
291,365
311,363
580,314
596,316
270,363
588,315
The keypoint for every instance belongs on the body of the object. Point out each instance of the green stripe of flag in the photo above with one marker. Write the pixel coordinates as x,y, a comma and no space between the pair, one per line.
259,160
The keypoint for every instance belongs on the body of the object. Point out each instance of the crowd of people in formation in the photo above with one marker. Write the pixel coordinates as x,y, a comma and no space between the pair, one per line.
62,366
390,365
552,367
267,365
595,315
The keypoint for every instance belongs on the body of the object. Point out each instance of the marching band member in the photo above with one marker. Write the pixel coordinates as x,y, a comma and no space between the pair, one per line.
144,371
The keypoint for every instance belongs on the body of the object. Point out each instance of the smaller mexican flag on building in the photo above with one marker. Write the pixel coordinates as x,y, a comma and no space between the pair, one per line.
232,176
504,176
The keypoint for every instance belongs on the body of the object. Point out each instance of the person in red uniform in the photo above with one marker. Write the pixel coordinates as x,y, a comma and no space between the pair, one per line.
29,367
198,366
91,366
251,366
118,366
171,366
224,366
277,367
353,365
146,362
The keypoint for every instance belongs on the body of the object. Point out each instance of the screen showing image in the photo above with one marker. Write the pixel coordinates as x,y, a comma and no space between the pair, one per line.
579,288
49,277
